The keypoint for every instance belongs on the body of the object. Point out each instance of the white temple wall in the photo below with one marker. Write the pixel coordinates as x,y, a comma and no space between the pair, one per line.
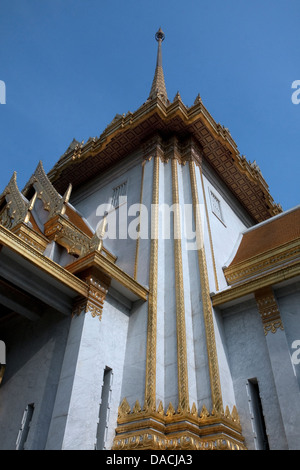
92,346
188,251
167,307
249,359
99,192
145,242
35,352
225,231
288,299
224,369
162,279
133,377
133,384
197,330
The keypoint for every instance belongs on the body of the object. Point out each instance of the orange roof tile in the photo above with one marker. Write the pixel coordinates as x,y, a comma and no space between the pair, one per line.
77,220
269,235
35,225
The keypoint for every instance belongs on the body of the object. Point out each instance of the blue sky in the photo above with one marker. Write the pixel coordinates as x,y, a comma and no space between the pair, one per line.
70,66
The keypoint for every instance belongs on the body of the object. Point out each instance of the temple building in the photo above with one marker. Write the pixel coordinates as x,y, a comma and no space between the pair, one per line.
149,293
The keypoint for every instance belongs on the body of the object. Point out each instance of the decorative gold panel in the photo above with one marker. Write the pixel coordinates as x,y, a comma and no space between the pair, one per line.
67,235
31,237
177,430
93,304
268,310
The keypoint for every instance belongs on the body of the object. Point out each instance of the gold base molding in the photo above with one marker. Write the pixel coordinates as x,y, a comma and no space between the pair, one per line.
177,430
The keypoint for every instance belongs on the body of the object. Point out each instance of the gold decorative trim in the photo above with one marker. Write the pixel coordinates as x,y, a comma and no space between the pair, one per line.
150,381
151,441
16,208
267,261
177,430
44,188
31,254
67,235
173,148
151,427
106,266
138,238
30,236
250,286
153,115
206,301
96,296
183,391
268,309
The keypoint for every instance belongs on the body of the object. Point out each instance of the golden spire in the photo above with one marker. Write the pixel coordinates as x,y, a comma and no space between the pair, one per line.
158,85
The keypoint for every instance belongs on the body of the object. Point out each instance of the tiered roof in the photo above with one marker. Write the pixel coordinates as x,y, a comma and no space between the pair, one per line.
126,133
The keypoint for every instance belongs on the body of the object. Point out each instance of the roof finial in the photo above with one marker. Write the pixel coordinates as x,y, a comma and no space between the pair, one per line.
160,35
158,85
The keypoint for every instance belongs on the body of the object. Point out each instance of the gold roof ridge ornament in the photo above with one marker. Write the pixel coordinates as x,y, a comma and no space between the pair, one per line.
15,208
45,189
158,87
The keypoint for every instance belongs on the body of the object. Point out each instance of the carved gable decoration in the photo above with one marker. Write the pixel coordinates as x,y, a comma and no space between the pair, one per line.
44,188
13,205
63,224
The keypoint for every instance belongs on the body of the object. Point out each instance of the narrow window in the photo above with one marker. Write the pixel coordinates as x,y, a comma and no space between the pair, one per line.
104,409
216,206
118,192
25,425
262,442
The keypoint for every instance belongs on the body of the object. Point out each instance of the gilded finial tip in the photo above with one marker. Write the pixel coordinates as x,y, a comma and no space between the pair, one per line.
160,35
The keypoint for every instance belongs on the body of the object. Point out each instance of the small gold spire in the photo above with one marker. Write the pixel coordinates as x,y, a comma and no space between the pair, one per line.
158,85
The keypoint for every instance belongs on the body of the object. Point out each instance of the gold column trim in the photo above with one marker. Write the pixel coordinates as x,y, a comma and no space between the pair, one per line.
209,231
269,310
151,427
183,391
137,248
150,381
206,301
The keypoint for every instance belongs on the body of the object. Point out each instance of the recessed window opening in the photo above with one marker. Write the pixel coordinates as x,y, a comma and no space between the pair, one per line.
118,192
25,425
104,409
262,442
216,206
